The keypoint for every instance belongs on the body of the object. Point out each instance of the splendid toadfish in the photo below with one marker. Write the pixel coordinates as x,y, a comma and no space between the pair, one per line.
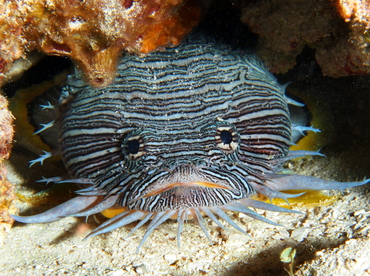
193,131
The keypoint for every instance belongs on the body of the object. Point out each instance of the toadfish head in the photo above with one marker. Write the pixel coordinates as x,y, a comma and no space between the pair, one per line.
196,130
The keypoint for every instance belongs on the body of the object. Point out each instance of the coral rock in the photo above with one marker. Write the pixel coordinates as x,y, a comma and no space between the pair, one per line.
338,31
6,129
351,54
92,32
6,189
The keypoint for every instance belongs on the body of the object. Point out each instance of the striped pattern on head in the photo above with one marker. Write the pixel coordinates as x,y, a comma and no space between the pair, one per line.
195,126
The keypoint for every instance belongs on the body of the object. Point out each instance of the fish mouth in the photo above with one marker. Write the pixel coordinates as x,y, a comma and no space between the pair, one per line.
182,186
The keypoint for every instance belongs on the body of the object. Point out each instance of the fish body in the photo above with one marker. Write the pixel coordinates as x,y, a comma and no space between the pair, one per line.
197,114
191,131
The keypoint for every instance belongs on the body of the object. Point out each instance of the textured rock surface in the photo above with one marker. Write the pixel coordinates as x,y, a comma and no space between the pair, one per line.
6,189
91,32
338,31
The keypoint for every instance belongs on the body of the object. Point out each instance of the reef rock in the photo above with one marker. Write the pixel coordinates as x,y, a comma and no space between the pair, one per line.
6,189
339,32
91,32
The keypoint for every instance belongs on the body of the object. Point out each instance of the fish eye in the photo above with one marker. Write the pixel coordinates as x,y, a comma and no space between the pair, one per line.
133,146
227,138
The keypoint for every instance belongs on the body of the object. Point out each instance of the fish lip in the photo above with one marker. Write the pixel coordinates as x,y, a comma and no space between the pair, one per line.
180,187
188,185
